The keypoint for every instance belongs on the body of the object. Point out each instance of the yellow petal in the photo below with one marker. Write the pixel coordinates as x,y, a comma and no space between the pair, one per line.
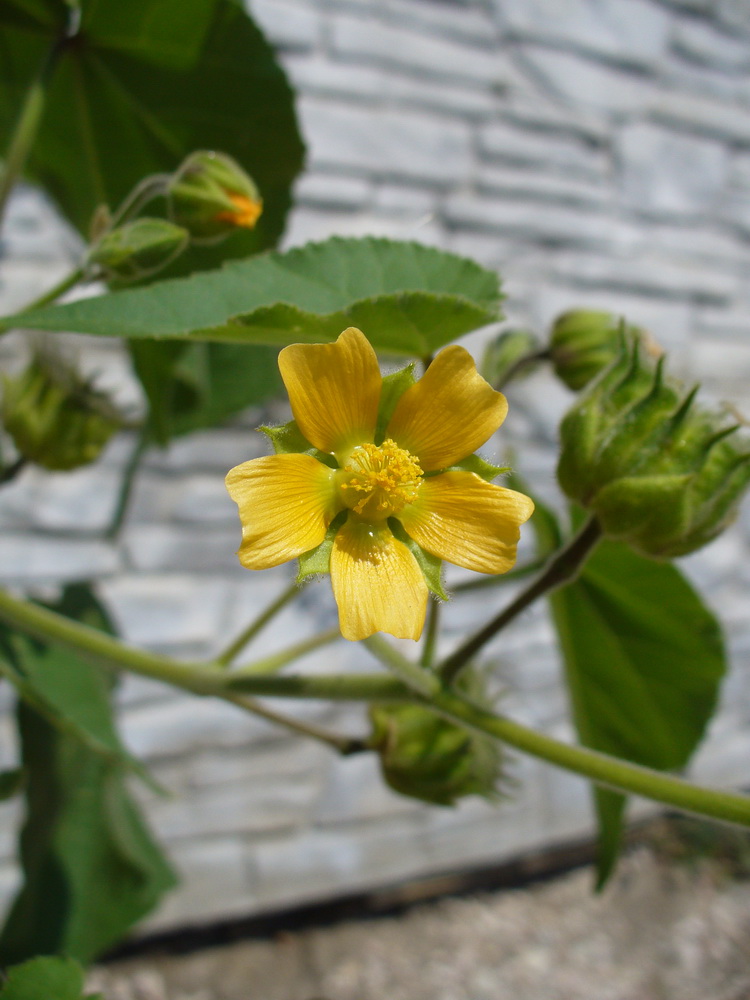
467,521
334,390
449,413
286,503
377,583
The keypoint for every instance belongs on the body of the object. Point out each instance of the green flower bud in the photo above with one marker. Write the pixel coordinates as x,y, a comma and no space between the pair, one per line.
211,195
54,417
584,341
505,351
429,758
659,471
137,249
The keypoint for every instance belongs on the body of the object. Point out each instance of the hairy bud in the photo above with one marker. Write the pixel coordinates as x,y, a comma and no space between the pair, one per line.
137,249
584,341
210,195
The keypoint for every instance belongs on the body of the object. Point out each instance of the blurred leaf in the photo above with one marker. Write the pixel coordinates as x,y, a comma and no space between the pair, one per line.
644,659
46,978
91,868
409,299
192,386
139,86
11,782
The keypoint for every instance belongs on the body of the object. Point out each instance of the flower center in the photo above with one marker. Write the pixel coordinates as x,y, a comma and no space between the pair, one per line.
378,481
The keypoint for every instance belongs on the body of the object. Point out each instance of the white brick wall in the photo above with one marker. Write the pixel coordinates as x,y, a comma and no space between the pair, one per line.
597,152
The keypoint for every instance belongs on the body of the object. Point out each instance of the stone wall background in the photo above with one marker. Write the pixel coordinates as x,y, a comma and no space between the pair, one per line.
597,152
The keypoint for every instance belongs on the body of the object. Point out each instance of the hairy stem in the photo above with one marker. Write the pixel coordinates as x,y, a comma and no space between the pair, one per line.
563,567
271,664
248,634
345,745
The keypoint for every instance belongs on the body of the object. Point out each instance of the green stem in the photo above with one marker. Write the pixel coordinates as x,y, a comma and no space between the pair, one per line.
24,135
532,358
421,681
486,582
345,745
563,567
273,663
204,680
431,634
146,190
70,281
599,767
235,648
126,484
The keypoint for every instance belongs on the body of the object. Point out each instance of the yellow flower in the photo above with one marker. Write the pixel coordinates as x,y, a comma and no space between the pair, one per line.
287,501
245,213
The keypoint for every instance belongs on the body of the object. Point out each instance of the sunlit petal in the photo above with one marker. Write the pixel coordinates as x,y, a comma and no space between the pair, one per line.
449,413
334,390
377,583
286,503
467,521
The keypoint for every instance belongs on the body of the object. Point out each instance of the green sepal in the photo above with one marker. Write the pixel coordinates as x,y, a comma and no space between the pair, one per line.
394,386
480,467
287,439
430,566
318,560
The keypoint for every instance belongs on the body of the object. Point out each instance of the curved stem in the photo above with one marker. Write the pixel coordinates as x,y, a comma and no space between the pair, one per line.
431,634
68,282
23,136
345,745
612,772
235,648
271,664
563,567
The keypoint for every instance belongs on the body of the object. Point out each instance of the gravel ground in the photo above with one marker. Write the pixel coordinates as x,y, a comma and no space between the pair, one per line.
660,931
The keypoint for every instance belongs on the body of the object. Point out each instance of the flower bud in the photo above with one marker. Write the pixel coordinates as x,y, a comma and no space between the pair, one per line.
427,757
504,352
137,249
55,418
211,195
585,341
658,470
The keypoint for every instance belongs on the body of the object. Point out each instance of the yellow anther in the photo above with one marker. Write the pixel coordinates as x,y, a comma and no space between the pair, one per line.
378,481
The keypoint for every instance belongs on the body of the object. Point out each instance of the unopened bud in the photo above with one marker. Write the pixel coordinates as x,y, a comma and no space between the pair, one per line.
584,341
137,249
55,418
659,470
427,757
211,195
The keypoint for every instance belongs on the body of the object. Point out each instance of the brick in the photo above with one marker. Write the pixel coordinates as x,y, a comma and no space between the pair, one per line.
82,500
550,225
706,43
354,790
414,52
27,558
647,274
586,83
634,31
329,191
216,882
287,25
570,155
697,113
385,142
170,548
663,172
562,190
161,609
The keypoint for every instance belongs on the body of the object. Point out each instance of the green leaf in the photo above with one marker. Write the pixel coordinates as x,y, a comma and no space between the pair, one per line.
192,386
139,86
46,978
91,867
11,782
407,298
644,659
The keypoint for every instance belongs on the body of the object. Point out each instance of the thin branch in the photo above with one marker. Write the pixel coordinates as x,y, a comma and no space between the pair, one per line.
235,648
